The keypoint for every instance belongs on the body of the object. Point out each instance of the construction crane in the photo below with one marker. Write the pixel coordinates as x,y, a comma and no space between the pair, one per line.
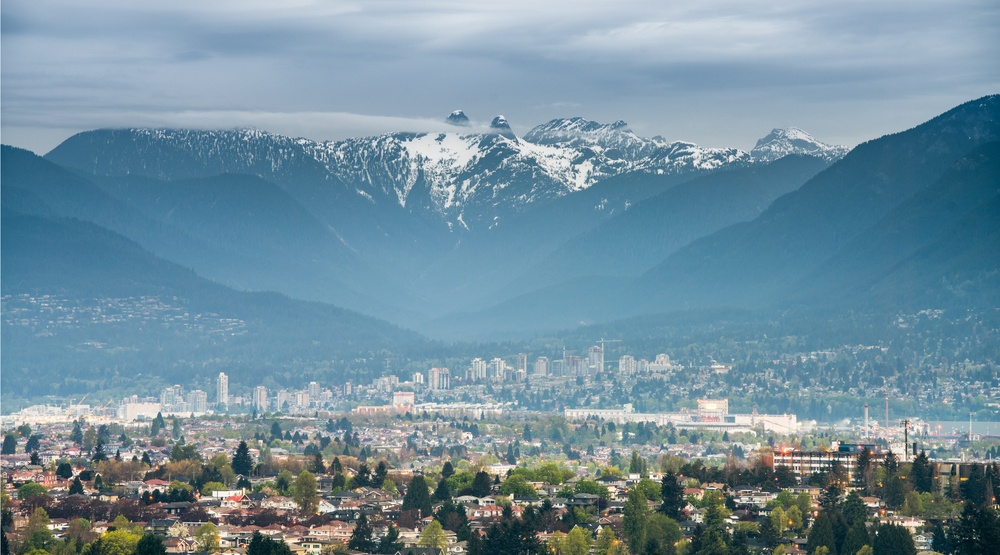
602,341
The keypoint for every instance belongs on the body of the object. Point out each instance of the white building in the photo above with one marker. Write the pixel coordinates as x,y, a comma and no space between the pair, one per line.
626,365
541,366
260,398
222,385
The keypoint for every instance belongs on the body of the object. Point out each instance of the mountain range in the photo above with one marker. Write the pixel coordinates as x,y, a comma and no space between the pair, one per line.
477,232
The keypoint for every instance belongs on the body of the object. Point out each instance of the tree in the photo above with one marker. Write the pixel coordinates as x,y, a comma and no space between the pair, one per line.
857,537
284,482
30,488
794,516
637,465
673,496
433,536
977,530
64,470
33,443
481,484
442,492
516,485
305,492
116,542
636,512
76,436
263,545
821,534
99,454
363,478
9,444
361,537
242,461
418,496
76,487
207,537
390,542
770,531
922,473
150,544
447,471
577,542
381,473
854,508
894,540
317,464
606,542
662,535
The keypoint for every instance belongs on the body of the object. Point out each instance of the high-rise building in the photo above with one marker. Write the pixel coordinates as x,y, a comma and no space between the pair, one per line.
418,378
260,398
595,359
198,401
626,365
497,371
541,366
313,392
521,362
439,378
222,385
477,370
173,395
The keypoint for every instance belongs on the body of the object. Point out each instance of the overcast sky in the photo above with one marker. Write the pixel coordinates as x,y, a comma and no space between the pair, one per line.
718,73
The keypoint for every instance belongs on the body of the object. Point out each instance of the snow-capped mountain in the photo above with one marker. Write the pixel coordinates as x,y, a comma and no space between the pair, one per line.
469,178
792,140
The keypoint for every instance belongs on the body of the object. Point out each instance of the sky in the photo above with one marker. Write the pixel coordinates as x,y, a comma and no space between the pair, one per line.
718,73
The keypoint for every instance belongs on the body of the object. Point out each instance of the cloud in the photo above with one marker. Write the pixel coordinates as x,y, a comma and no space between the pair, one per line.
717,71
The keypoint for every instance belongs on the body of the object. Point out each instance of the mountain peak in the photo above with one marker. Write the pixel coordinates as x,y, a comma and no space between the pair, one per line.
499,123
458,118
781,142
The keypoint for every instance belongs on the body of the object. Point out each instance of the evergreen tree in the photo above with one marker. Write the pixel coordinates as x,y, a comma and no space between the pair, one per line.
857,537
481,484
673,496
361,537
854,509
381,472
977,531
821,534
939,541
9,445
363,478
150,544
64,470
894,540
242,461
146,460
418,496
922,473
447,471
441,492
99,454
636,513
390,542
317,464
76,486
76,436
